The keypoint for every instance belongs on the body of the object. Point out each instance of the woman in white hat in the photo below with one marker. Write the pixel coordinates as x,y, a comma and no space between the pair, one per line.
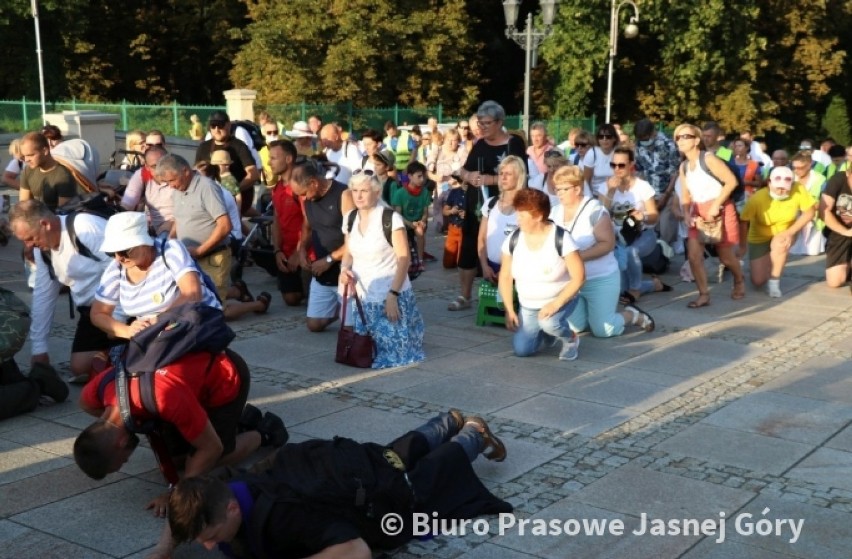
146,277
303,137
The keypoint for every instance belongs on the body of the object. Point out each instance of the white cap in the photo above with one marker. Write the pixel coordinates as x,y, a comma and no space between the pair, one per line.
300,130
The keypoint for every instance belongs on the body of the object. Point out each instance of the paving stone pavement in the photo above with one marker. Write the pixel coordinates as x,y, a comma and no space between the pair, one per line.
738,411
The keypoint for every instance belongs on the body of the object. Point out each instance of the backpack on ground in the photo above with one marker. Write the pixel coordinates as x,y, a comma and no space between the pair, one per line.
14,324
414,270
257,138
187,328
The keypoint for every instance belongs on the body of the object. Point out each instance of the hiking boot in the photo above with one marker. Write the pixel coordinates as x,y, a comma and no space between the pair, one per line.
272,431
250,419
49,382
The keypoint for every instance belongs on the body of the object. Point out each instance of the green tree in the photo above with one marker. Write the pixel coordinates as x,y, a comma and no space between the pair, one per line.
836,121
370,53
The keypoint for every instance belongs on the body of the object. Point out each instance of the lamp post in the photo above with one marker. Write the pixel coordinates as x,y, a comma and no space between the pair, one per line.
34,7
630,31
529,39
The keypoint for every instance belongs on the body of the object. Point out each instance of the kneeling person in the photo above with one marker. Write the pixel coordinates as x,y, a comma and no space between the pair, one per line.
200,400
769,223
425,471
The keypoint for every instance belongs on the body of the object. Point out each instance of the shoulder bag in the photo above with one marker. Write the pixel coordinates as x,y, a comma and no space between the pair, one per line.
354,349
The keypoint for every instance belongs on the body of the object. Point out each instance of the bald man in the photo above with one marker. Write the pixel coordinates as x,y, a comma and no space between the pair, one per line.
345,154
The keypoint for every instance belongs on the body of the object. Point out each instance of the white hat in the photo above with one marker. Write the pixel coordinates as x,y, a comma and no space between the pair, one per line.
220,157
300,130
126,230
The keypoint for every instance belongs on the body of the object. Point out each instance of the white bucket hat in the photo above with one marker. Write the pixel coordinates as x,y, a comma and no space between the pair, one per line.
300,130
126,230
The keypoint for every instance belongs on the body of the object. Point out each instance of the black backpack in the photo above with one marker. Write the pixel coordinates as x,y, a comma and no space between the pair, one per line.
257,138
187,328
656,262
557,239
94,204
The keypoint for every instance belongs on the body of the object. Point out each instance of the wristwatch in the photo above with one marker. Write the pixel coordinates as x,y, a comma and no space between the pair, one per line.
393,292
329,259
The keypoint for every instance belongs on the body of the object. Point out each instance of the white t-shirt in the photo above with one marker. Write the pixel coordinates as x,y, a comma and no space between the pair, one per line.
582,231
539,274
701,185
601,171
233,213
15,167
374,261
498,227
348,157
633,199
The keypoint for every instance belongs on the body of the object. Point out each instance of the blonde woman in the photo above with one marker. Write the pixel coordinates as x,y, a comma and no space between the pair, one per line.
134,144
589,224
499,219
707,196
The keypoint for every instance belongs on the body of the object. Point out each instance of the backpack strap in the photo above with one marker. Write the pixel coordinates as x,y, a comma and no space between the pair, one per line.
558,239
72,235
387,217
492,202
205,279
513,240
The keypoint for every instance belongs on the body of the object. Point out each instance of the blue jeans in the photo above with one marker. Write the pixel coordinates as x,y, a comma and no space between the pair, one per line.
532,332
441,429
596,308
631,278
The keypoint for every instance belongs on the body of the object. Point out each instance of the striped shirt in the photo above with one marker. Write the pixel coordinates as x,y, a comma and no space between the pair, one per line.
159,289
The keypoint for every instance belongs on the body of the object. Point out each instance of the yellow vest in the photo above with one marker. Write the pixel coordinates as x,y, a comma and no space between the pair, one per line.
402,153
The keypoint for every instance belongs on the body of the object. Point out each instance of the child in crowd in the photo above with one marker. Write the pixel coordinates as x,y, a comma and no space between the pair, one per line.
453,211
382,164
412,203
220,160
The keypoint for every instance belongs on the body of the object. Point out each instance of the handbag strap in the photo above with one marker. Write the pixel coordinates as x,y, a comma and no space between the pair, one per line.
577,215
357,304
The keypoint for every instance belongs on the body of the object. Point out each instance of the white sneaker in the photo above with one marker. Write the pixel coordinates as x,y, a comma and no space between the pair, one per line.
773,288
570,348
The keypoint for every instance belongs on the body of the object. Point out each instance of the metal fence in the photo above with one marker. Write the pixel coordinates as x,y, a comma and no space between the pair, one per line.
173,119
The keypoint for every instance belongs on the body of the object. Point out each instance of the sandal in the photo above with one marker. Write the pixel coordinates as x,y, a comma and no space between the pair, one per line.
738,292
245,294
626,298
492,447
702,301
663,287
640,318
266,299
460,303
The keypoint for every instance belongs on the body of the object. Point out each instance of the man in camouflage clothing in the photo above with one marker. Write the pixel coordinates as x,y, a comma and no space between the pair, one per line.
657,160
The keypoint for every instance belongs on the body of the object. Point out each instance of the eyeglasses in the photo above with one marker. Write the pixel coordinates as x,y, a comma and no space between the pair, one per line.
217,124
605,136
619,165
484,123
565,189
781,179
680,137
581,144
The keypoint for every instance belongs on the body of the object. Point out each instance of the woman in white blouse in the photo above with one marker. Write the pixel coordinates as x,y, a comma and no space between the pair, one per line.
378,268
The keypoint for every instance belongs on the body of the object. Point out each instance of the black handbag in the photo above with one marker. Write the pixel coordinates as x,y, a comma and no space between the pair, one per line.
631,229
354,349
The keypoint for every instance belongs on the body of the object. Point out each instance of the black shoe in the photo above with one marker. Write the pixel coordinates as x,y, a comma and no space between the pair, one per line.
250,419
272,431
49,382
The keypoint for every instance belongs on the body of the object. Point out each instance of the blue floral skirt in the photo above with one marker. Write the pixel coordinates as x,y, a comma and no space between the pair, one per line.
397,343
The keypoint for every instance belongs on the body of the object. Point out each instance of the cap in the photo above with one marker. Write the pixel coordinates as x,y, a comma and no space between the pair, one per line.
126,230
218,116
220,157
300,130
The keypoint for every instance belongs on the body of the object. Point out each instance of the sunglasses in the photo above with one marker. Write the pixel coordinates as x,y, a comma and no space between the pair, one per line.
581,144
619,165
217,124
605,136
119,253
680,137
464,127
152,145
268,132
365,172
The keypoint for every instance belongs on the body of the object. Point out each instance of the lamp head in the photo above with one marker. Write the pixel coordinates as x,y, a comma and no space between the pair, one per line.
548,10
510,10
631,30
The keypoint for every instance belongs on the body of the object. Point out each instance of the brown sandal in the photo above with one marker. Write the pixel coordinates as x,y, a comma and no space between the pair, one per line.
492,447
702,301
266,299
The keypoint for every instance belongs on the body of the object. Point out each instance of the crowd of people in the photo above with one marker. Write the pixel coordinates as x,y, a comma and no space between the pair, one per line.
564,232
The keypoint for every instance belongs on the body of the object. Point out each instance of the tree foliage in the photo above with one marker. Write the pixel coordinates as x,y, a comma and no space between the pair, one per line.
413,53
757,64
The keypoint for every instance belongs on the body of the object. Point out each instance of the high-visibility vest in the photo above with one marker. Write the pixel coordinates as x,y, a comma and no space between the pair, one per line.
815,185
724,153
402,153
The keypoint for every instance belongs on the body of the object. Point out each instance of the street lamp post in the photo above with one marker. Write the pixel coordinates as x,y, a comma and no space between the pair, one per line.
630,31
529,40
